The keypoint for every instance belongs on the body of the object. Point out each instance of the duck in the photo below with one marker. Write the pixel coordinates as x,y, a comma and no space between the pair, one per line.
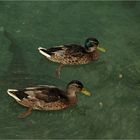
73,54
47,97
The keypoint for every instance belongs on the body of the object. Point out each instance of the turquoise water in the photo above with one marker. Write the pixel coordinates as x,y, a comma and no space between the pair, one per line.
113,110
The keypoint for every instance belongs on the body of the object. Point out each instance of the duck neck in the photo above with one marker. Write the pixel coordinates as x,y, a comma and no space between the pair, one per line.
95,55
71,94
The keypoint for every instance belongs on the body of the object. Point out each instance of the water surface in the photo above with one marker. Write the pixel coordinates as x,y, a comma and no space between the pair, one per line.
114,109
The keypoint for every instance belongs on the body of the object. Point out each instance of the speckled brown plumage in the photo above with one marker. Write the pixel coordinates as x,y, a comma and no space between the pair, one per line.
71,54
43,98
48,97
75,60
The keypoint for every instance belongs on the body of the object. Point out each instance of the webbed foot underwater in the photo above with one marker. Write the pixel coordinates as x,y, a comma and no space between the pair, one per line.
46,97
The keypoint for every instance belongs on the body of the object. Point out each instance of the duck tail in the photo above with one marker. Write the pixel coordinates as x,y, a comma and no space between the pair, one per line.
13,93
44,52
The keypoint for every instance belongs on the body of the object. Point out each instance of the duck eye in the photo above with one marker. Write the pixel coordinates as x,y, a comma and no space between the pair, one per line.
96,43
79,86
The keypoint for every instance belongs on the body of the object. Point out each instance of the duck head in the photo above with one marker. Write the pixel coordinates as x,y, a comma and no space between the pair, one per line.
76,86
92,44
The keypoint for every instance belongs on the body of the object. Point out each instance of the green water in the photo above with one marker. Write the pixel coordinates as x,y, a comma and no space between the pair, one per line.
113,110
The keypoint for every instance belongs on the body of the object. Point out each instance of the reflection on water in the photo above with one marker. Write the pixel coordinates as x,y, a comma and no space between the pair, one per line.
17,71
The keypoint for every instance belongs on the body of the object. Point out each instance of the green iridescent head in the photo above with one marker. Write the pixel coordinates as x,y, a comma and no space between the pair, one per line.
91,44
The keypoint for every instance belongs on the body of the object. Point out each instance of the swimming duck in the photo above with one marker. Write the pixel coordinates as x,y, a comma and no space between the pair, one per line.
73,53
46,97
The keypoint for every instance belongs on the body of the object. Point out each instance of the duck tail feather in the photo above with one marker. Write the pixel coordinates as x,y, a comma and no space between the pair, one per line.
12,93
44,52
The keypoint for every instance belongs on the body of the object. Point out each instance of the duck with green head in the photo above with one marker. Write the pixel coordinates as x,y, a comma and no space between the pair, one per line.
73,54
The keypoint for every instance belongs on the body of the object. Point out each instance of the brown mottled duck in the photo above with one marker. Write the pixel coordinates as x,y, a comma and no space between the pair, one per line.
46,97
73,53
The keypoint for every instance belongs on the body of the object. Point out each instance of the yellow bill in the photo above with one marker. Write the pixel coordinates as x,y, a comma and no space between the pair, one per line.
101,49
85,92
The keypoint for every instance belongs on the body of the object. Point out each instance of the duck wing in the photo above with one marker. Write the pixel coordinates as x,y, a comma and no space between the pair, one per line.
50,94
70,49
45,93
74,50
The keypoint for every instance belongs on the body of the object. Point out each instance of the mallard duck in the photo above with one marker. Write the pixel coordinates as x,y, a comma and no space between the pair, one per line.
73,53
46,97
